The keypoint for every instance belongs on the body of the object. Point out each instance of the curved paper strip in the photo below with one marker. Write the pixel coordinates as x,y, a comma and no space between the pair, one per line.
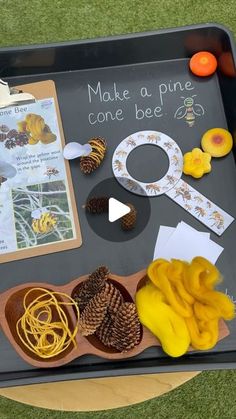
138,139
171,184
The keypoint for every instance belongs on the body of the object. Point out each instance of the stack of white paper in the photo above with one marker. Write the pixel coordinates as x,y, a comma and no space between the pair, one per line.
184,242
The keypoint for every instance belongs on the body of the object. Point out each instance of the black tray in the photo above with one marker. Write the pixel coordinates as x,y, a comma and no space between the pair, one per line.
132,61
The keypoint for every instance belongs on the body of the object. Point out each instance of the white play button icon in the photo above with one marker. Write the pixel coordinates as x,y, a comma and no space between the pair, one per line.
116,210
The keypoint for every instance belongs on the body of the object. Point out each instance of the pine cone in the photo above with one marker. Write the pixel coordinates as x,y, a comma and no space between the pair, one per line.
129,220
91,162
102,272
22,139
127,329
4,128
12,133
3,136
2,180
90,287
93,314
97,205
115,299
104,331
10,144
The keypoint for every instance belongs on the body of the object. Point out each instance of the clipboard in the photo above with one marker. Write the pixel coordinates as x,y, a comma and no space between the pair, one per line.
45,90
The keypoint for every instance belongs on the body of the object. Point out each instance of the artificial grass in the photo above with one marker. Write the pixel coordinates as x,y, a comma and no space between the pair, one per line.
36,21
211,395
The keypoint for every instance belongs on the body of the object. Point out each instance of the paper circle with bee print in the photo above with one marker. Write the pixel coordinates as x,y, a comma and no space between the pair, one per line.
159,139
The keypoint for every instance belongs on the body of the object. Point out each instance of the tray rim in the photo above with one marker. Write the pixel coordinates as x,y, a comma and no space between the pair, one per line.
189,362
135,35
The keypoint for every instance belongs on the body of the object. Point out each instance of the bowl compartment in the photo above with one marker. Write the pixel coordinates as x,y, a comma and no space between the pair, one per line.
93,339
14,310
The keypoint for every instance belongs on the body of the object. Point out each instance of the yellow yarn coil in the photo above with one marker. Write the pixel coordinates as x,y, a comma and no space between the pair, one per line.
98,151
36,328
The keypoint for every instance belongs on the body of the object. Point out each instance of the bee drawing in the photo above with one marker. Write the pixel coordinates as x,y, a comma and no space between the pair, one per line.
152,187
208,204
124,174
121,153
188,207
118,165
130,142
171,180
175,160
131,184
184,192
198,199
200,211
51,171
153,138
168,145
189,110
218,220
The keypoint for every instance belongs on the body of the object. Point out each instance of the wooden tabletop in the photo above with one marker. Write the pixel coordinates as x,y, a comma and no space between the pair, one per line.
76,395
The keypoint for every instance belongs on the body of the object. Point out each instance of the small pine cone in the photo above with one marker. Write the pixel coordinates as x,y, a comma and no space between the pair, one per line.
22,139
91,162
93,314
104,331
129,220
4,128
115,298
90,287
3,137
2,180
12,134
97,205
127,329
10,144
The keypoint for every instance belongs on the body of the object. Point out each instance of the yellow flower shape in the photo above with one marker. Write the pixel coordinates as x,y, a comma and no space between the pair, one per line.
196,163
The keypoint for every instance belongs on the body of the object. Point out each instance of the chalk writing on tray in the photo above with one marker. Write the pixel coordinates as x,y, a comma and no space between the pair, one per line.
99,93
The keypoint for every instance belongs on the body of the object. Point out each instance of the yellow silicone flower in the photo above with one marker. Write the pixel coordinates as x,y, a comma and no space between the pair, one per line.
196,163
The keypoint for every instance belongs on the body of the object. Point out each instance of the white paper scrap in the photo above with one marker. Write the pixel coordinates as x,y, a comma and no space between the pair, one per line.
185,243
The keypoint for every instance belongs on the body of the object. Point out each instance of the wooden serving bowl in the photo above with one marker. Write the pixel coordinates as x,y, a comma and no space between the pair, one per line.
11,309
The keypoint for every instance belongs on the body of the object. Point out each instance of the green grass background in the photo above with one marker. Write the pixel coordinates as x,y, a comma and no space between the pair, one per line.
211,395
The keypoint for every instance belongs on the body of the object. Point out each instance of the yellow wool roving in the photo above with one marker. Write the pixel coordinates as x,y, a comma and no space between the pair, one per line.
180,305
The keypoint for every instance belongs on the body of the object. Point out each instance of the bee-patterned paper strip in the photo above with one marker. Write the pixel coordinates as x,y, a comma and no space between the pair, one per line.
200,207
171,183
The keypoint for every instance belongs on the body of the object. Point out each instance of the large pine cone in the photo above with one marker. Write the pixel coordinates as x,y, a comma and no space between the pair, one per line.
90,287
91,162
97,205
128,221
127,329
102,272
93,314
114,297
104,331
